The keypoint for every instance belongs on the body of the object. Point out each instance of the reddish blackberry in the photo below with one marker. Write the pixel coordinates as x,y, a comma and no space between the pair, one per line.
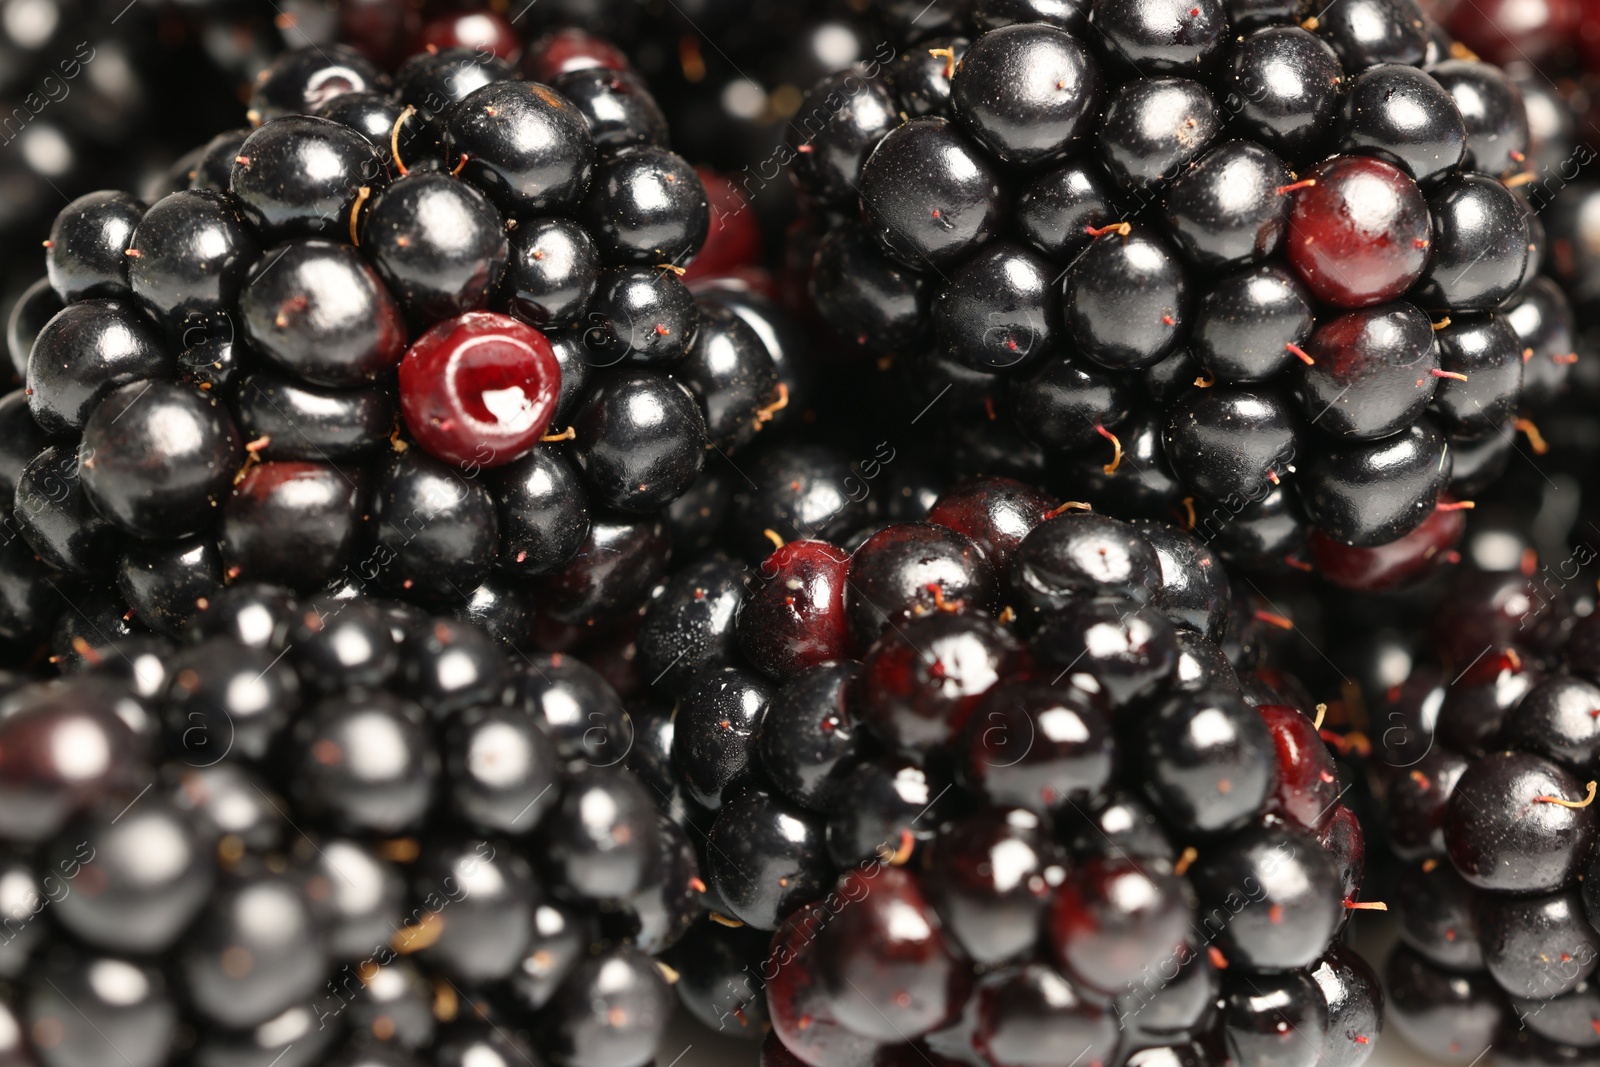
992,780
1288,255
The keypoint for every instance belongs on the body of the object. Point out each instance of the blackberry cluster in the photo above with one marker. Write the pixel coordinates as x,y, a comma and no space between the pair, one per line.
1011,787
1487,768
424,335
330,831
1268,273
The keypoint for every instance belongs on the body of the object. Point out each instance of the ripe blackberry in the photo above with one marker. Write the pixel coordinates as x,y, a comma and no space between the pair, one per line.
1489,811
991,779
332,826
1298,250
424,335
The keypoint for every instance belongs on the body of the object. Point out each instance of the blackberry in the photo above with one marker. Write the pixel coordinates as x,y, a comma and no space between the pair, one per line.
1489,813
301,823
423,335
991,779
1299,250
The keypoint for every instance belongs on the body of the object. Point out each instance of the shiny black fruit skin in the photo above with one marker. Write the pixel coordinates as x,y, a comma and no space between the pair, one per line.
1402,114
1231,441
1059,404
336,788
1244,325
449,667
311,422
1126,301
495,892
647,207
641,441
165,582
1289,924
228,699
869,299
728,370
714,743
1480,245
127,1006
1195,592
36,305
1054,209
1373,372
612,1009
1369,493
189,256
1167,37
339,644
321,312
1225,209
892,577
601,839
85,254
293,523
1368,32
83,353
612,573
1154,127
1500,838
1025,93
643,316
523,144
1077,555
617,106
1488,352
300,177
55,517
993,881
1188,770
1278,1020
502,769
581,711
543,515
839,139
158,458
1000,309
438,243
1537,947
438,528
688,629
929,195
431,81
300,80
373,116
290,964
147,894
1492,113
807,740
551,274
766,857
1284,85
1447,1013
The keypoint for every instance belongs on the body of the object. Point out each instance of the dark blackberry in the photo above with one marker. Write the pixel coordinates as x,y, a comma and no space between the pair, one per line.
364,302
941,781
1249,181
